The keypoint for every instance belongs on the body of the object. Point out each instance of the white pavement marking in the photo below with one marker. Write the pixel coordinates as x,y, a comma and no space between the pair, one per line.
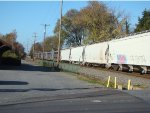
96,101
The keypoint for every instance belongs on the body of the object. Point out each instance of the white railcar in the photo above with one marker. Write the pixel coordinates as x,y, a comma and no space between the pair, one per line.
131,50
48,55
55,55
96,53
41,55
134,50
65,55
76,54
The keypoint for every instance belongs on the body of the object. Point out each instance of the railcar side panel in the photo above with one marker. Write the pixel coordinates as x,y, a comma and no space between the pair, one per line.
65,55
96,53
132,50
76,54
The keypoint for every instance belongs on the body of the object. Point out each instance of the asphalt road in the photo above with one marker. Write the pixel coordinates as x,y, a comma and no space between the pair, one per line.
34,89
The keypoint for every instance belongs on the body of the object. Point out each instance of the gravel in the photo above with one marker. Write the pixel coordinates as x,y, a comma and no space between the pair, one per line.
122,78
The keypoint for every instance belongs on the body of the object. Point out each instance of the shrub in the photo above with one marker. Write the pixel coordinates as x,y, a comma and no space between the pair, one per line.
10,54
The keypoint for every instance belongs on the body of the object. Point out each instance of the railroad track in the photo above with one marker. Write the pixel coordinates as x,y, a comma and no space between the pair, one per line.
135,73
126,72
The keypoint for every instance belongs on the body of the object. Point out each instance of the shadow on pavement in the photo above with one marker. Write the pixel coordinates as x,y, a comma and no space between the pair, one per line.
28,67
13,83
39,89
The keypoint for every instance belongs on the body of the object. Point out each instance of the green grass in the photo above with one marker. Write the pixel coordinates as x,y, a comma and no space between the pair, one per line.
94,80
139,86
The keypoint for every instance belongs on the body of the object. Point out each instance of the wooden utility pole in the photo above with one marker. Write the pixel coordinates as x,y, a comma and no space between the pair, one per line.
27,48
45,26
58,56
34,45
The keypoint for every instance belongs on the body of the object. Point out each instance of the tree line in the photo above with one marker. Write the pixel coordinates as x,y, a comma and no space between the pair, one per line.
11,38
93,23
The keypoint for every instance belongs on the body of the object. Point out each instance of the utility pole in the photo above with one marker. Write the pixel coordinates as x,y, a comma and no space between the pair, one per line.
27,48
45,26
34,45
58,56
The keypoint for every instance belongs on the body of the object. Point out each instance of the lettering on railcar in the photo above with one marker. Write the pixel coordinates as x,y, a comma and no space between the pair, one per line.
138,60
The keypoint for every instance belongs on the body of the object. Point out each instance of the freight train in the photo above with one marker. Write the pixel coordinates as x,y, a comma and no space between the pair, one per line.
130,52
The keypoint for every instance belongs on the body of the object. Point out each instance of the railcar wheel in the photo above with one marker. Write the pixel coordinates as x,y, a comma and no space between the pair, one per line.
115,67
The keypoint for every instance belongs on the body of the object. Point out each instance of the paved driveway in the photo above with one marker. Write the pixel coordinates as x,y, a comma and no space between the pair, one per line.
34,89
30,81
